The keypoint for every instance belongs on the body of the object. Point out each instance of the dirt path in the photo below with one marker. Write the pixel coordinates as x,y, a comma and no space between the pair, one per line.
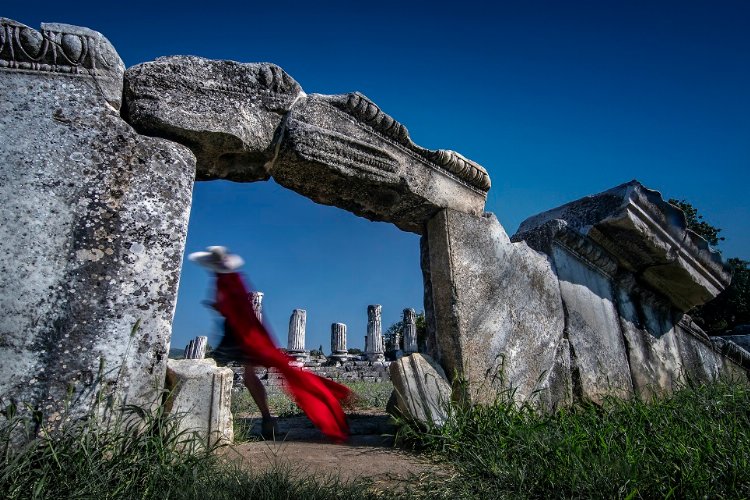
368,455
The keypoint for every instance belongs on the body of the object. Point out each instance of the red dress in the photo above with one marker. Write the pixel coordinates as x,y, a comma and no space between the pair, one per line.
318,397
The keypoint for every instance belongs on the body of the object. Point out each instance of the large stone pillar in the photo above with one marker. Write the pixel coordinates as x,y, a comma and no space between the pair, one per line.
374,348
296,341
93,219
338,341
256,299
410,331
499,321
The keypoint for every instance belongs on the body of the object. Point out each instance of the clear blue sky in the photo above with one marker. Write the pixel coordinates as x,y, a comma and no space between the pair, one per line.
556,99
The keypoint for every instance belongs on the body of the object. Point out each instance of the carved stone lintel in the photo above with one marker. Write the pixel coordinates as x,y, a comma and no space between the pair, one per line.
644,235
62,50
367,112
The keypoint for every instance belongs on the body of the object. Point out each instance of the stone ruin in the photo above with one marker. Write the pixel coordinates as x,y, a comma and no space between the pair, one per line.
97,166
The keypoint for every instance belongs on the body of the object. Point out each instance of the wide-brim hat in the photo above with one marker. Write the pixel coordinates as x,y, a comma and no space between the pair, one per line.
217,259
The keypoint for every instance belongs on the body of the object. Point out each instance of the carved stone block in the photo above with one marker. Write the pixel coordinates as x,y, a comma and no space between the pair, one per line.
201,394
646,236
226,112
499,315
343,150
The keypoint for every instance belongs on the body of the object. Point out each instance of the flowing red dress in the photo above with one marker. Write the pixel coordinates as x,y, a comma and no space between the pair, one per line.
318,397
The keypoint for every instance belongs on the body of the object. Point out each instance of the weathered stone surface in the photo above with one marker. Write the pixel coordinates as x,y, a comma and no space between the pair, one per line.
226,112
93,220
338,342
592,327
64,50
296,337
256,299
499,315
343,150
422,391
201,394
628,269
646,236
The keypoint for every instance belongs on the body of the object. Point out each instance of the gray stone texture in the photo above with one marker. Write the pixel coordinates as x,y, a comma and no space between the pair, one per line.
499,315
592,327
647,237
374,346
93,220
201,394
628,269
245,122
226,112
343,150
422,391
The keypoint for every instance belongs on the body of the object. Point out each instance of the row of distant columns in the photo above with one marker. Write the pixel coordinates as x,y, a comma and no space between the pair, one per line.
374,345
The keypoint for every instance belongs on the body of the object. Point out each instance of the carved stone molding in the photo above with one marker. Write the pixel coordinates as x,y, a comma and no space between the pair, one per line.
647,237
367,112
587,251
62,49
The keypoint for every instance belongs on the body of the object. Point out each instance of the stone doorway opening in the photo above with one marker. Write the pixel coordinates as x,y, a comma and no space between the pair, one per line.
301,255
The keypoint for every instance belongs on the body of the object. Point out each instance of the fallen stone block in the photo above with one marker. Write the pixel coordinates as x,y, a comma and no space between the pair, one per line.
421,390
200,393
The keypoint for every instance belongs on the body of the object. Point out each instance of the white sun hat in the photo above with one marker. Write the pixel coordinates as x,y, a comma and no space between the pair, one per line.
217,259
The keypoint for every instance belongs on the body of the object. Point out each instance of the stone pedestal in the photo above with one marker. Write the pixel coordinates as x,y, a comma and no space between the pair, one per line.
201,393
196,348
374,348
338,342
410,331
256,299
296,341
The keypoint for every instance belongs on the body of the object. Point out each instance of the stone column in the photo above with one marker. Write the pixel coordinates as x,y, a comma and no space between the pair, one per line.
338,341
374,348
256,299
296,343
410,331
196,349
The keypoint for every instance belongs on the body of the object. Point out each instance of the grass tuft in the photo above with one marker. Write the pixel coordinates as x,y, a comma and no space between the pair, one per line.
693,444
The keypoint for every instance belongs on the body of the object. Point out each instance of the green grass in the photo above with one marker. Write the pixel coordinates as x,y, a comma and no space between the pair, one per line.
694,444
144,456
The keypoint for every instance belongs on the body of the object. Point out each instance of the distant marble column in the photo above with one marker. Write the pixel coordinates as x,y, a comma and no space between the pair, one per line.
256,299
196,348
374,348
410,331
296,344
338,341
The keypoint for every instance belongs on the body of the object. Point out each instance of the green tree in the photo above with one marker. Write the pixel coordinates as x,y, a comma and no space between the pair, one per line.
732,306
696,223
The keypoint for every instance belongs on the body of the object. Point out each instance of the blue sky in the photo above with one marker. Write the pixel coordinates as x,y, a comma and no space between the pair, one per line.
556,99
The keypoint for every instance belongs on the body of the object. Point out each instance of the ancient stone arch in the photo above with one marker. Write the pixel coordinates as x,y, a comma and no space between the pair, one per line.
96,170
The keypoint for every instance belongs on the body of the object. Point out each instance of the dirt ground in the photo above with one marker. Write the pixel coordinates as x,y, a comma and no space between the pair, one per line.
369,454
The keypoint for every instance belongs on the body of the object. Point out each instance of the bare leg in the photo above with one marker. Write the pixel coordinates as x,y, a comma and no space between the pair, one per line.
257,391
